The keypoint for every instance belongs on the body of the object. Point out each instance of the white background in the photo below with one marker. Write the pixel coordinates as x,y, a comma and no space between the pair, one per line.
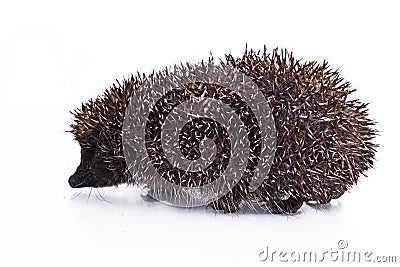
54,55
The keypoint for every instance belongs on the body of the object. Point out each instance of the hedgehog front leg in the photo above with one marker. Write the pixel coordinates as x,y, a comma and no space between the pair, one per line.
228,203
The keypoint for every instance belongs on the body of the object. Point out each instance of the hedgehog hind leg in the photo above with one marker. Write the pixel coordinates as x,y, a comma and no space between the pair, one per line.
288,206
327,197
278,203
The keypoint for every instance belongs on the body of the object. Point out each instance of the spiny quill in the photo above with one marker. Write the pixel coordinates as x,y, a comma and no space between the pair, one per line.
324,141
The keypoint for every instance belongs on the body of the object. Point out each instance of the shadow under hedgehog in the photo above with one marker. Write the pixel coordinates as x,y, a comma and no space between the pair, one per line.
323,143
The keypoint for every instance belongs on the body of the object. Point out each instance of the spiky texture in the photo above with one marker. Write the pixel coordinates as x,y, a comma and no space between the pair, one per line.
323,139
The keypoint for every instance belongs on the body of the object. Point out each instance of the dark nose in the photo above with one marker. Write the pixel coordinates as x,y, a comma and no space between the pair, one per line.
74,181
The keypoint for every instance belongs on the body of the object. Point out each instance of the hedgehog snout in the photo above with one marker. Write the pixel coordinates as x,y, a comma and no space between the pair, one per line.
87,175
73,182
77,180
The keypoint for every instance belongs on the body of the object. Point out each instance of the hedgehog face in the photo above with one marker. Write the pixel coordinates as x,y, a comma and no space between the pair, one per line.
92,171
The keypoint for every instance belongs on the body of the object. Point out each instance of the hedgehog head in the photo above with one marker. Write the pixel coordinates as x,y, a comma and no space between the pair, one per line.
97,128
92,171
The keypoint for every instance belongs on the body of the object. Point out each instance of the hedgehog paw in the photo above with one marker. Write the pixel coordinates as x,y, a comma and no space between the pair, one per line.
288,206
227,203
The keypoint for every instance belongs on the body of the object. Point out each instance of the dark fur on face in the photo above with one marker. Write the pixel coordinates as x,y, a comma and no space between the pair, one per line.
101,164
92,171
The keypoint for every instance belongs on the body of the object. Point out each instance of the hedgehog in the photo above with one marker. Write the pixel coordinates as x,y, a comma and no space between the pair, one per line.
323,139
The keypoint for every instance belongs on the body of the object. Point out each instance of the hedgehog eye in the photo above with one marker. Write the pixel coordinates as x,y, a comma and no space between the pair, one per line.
97,155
